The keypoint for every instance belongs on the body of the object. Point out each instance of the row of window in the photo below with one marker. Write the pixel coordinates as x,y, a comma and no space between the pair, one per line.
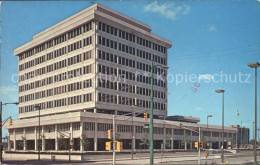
57,40
130,88
129,75
130,37
116,32
148,56
56,91
57,78
103,97
58,103
90,126
57,53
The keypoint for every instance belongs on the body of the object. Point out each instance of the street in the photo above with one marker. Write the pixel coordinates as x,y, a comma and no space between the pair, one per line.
242,157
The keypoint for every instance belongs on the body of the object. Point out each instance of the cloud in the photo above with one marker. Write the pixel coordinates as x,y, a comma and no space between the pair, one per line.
198,109
206,77
168,10
212,28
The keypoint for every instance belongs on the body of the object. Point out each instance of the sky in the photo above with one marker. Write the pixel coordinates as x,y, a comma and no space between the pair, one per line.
208,38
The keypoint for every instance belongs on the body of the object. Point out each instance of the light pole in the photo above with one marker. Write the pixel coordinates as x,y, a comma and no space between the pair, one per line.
39,130
222,153
1,143
151,113
255,65
208,128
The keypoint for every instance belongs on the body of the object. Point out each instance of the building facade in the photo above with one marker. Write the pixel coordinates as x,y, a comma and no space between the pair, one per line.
79,72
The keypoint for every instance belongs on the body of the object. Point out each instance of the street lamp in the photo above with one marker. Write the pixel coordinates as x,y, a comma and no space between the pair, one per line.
1,145
255,65
208,120
39,130
208,127
151,113
222,91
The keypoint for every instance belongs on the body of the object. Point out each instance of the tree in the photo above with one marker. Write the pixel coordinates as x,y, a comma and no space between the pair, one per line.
167,140
61,142
84,141
186,140
144,140
118,136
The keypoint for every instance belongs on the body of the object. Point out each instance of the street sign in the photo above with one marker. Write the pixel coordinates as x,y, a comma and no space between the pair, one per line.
146,125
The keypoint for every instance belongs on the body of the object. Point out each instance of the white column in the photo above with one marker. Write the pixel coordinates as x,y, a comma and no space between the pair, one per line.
164,133
185,142
24,140
56,138
95,136
35,140
172,139
133,138
8,140
43,139
190,139
210,144
14,140
95,110
81,133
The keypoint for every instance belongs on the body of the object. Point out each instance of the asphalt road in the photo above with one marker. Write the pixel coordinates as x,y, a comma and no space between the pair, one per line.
242,157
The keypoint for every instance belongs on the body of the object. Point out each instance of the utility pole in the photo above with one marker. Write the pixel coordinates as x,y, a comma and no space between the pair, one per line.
114,140
199,145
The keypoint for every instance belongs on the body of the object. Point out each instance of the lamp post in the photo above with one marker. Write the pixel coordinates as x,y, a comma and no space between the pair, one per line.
208,120
39,130
208,127
1,143
222,153
255,65
151,113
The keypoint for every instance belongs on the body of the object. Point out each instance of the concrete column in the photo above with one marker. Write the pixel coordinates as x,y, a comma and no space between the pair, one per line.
95,110
191,140
172,140
115,112
210,143
24,140
219,140
81,132
14,140
133,138
8,141
164,134
185,142
43,139
95,136
35,140
56,138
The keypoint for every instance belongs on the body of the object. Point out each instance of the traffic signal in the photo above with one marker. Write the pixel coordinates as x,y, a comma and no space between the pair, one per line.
201,144
181,125
10,121
145,116
108,146
109,135
196,145
119,146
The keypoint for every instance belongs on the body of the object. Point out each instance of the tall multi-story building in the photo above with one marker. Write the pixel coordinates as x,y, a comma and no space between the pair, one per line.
75,74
